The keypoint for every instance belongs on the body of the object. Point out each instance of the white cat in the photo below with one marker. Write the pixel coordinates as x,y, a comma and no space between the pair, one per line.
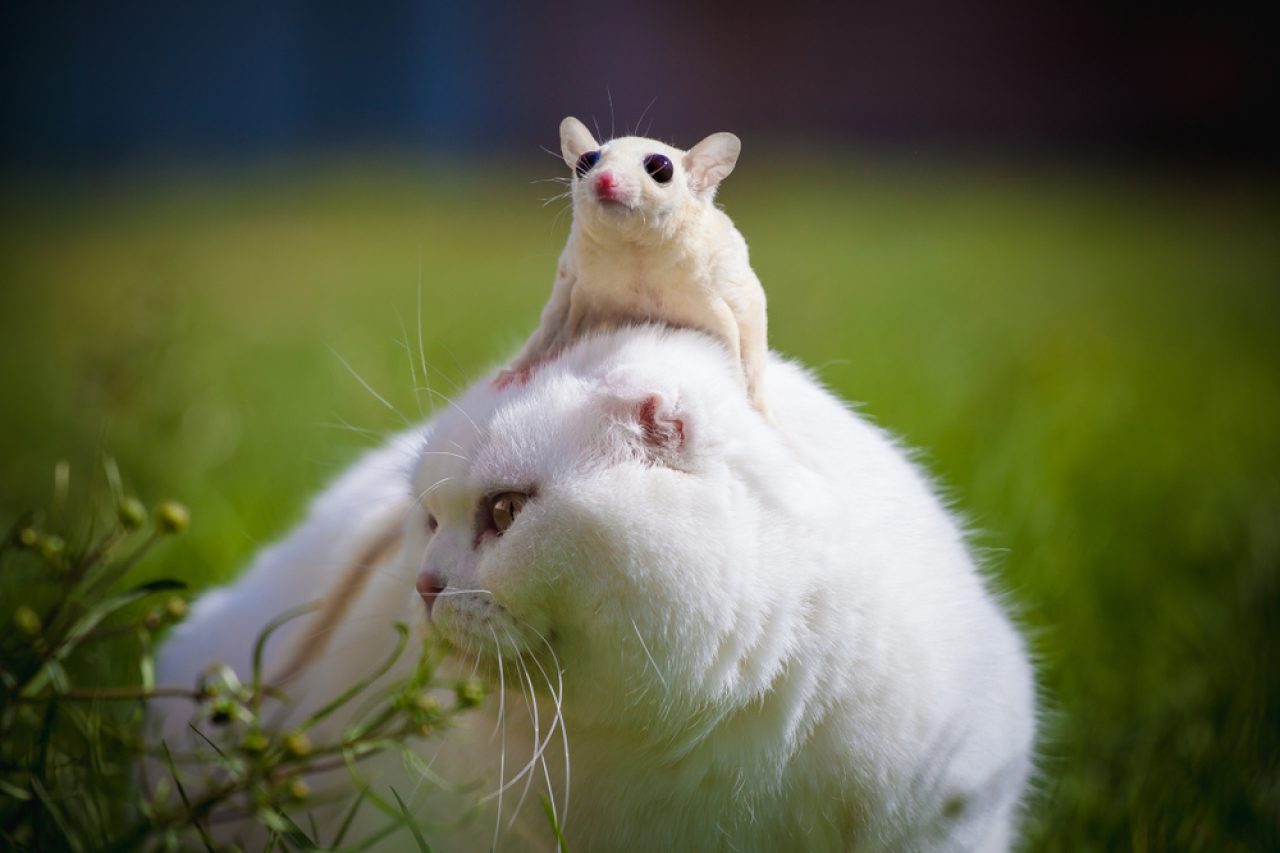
758,637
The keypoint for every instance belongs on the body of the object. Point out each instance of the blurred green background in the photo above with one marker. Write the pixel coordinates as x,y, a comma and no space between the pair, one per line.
1087,359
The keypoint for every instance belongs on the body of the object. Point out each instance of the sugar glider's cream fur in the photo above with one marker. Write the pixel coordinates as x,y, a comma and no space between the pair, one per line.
733,635
649,243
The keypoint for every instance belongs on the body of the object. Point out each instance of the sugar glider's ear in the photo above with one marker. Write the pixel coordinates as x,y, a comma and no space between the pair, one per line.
652,425
711,160
575,140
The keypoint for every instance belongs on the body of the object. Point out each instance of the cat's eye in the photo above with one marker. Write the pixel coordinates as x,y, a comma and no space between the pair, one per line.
659,168
504,508
586,161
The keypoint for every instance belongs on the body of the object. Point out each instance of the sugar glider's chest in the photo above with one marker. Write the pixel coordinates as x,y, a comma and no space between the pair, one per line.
649,285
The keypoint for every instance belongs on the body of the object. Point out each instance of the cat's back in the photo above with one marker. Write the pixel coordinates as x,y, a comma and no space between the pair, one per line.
948,669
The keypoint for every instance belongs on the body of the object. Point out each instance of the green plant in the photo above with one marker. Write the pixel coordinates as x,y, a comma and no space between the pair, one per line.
77,673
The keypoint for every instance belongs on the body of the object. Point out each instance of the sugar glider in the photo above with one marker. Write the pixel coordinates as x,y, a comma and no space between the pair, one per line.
649,244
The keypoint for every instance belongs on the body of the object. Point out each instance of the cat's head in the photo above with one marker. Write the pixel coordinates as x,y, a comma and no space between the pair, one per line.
632,185
599,519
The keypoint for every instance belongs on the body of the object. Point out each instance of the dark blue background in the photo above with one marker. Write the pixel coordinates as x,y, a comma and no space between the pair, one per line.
105,85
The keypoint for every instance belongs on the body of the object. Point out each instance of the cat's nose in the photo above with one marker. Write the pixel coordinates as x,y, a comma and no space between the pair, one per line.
607,186
430,585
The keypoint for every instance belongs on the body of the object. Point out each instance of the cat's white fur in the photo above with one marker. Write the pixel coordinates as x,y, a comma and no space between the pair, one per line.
760,637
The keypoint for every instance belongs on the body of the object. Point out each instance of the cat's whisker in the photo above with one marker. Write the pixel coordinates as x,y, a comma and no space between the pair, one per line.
422,352
559,700
540,746
531,703
413,370
502,721
463,457
343,425
649,655
461,410
546,772
429,489
381,399
448,592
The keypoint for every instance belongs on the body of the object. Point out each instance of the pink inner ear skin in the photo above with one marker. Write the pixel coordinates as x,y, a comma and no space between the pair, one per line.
657,430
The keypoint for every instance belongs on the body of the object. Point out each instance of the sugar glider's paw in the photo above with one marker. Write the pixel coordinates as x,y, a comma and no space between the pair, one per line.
755,393
758,402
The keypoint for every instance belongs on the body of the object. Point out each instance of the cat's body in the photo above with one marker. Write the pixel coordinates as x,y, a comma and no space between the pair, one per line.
764,637
649,244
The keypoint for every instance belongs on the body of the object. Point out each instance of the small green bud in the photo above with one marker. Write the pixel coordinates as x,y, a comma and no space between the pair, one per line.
152,620
172,517
175,607
28,537
298,789
28,620
470,693
223,711
254,743
52,547
425,703
132,513
297,744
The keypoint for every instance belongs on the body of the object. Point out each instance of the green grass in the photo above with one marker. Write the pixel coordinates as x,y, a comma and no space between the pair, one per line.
1090,364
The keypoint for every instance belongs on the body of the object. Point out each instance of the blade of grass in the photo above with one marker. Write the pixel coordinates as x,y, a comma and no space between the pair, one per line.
347,820
348,694
186,801
260,646
423,846
561,844
59,820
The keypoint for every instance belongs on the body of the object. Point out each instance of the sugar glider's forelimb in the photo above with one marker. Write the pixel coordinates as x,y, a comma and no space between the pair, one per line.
751,318
552,328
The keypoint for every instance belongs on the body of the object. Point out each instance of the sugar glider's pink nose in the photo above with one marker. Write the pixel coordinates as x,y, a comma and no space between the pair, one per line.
430,585
607,186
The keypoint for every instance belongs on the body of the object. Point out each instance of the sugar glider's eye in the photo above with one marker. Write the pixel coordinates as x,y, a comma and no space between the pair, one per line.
586,161
432,523
659,168
504,508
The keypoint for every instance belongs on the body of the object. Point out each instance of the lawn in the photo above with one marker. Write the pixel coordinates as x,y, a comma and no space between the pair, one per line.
1087,360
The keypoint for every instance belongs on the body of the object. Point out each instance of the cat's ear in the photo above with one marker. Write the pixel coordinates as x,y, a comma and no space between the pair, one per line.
661,425
651,425
711,160
575,140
